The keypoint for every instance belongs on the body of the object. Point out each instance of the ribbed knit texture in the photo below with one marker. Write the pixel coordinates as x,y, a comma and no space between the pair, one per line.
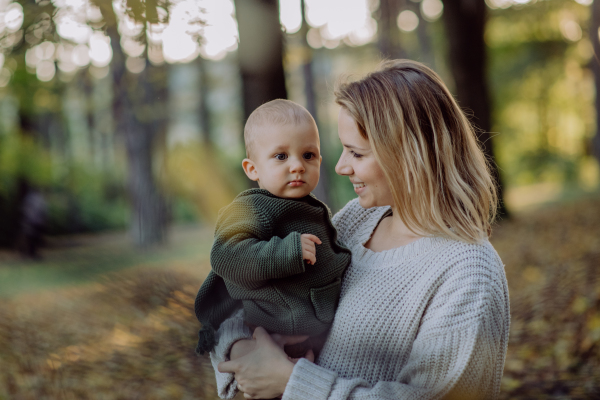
427,320
257,262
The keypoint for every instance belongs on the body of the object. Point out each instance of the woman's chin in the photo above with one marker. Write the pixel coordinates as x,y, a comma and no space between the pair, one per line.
365,202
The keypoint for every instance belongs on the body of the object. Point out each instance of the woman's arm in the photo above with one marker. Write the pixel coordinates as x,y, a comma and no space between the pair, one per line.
455,366
235,340
458,353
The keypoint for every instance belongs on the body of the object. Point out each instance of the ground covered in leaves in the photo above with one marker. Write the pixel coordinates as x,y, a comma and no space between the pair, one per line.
130,336
130,333
552,259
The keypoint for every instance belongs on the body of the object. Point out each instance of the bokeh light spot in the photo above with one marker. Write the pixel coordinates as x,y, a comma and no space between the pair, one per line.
81,55
44,51
432,9
408,21
290,15
571,30
45,70
99,72
13,17
313,37
70,29
5,76
135,64
100,50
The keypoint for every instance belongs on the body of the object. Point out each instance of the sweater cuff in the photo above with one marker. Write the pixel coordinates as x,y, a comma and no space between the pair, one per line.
295,261
309,381
230,331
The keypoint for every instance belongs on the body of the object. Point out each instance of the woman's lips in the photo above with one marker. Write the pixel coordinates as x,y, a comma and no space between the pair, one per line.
296,183
359,187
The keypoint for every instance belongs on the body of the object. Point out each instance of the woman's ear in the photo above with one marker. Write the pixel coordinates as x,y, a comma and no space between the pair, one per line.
250,169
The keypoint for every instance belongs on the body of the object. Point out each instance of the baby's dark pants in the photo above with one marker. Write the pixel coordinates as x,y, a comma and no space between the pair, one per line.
314,343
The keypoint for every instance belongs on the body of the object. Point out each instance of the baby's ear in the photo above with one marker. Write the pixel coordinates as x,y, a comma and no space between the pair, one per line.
250,169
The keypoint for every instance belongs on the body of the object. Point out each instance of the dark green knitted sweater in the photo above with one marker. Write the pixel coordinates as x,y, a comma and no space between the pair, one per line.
257,264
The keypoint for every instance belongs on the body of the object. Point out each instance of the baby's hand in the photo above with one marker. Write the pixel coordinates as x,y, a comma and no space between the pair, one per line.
309,251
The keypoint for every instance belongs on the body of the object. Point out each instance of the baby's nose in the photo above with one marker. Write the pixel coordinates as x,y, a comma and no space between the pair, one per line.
297,166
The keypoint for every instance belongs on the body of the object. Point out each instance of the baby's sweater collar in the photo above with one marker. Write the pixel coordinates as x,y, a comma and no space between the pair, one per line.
254,191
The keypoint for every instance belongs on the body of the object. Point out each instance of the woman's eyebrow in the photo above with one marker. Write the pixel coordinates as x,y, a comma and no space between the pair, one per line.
349,146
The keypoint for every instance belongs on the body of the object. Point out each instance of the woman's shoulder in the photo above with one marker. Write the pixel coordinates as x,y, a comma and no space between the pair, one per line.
353,221
472,262
481,252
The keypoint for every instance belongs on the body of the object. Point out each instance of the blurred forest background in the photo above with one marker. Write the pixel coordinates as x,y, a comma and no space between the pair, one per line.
121,136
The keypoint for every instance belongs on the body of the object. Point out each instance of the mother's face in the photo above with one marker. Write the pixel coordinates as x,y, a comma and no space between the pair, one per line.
358,163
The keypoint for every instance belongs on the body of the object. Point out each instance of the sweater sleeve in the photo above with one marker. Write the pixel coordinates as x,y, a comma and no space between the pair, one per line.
230,331
246,254
458,353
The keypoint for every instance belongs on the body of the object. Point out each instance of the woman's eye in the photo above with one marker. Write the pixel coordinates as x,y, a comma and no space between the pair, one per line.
355,155
281,156
308,156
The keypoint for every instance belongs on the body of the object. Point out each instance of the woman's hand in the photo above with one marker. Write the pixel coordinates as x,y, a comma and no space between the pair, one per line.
264,372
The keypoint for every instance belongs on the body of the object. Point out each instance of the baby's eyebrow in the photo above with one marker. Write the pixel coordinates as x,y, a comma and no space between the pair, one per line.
311,147
281,148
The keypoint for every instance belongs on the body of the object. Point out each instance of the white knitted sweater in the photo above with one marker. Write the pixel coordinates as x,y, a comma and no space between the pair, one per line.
427,320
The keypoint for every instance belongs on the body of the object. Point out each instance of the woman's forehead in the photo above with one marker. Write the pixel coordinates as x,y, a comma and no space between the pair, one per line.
349,134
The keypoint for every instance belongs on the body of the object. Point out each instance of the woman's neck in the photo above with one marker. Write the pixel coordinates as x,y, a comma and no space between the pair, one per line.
399,229
391,233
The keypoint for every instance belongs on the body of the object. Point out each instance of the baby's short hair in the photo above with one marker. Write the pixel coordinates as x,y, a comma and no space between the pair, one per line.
278,112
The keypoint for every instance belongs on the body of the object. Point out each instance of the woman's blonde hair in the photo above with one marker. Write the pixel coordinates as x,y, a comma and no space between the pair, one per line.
438,175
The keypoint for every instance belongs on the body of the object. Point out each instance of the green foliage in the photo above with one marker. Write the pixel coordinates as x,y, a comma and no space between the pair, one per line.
183,210
86,200
82,200
542,90
21,157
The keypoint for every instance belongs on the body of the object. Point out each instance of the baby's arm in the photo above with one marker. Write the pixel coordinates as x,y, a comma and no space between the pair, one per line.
247,254
249,262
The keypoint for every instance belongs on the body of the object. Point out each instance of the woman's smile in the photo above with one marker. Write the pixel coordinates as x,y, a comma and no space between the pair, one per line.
358,187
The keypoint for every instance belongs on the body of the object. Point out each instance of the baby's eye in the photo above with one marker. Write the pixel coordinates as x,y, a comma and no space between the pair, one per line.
281,156
308,156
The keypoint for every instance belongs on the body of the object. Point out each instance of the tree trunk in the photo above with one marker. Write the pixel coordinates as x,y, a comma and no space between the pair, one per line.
595,65
321,191
148,223
426,55
465,24
260,52
148,207
389,34
203,109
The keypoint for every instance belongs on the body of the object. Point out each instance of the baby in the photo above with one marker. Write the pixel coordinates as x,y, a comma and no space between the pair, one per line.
275,252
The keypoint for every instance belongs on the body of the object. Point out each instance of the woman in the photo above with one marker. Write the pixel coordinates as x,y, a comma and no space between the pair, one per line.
424,309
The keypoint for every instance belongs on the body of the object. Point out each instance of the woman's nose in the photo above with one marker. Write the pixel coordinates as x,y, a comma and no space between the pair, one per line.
343,167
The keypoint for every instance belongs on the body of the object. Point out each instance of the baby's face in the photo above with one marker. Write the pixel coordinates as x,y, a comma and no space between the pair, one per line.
285,159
